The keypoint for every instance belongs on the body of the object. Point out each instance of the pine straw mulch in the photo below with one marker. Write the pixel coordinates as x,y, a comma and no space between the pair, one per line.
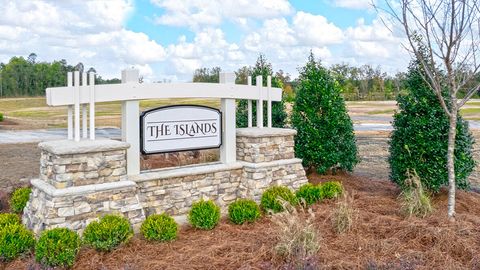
381,238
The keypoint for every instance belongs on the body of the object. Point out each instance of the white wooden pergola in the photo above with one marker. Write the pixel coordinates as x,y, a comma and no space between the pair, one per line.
80,94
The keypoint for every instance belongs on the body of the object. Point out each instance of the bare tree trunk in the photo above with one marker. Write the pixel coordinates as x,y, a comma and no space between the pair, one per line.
452,132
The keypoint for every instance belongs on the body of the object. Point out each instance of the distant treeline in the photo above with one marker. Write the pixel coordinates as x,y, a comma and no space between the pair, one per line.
27,77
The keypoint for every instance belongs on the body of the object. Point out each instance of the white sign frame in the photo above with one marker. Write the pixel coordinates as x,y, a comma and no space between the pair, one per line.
145,114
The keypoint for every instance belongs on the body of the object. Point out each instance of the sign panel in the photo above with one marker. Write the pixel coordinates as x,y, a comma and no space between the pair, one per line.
180,128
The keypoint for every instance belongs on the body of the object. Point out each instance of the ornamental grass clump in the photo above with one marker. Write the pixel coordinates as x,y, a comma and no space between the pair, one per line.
15,240
331,189
204,215
414,200
243,210
57,247
108,233
309,194
19,199
8,218
159,228
344,214
297,238
271,198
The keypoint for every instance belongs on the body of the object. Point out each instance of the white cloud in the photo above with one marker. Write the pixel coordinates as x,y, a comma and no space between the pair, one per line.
315,30
354,4
199,13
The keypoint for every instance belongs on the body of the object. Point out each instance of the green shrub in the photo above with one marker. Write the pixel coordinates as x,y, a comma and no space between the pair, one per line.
419,140
159,228
57,247
309,193
274,197
331,189
108,233
1,117
9,218
325,139
15,240
243,210
414,200
19,199
204,215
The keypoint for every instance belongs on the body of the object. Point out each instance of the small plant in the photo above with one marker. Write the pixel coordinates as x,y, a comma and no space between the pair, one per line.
309,193
108,233
19,199
243,210
57,247
414,200
271,198
331,189
1,117
159,228
297,238
15,240
343,214
8,218
204,215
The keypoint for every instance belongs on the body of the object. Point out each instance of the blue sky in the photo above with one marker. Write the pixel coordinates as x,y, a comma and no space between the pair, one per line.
169,39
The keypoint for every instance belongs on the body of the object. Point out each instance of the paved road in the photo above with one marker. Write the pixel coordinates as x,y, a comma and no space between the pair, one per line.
379,123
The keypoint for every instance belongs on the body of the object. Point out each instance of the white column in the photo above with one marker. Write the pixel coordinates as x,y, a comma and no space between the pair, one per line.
77,105
70,109
228,150
249,104
269,101
131,125
84,110
92,105
259,82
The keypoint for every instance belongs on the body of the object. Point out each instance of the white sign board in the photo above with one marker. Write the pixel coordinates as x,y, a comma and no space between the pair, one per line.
180,128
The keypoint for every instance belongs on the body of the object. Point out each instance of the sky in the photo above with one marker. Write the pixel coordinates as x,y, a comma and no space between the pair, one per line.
169,39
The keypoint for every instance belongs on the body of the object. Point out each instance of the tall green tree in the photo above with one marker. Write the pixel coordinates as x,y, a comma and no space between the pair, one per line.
419,140
207,75
279,116
325,139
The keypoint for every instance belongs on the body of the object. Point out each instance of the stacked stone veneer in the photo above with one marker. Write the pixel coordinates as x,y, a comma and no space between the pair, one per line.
80,181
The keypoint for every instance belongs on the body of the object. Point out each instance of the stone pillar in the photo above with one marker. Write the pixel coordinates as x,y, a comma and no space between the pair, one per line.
269,159
79,182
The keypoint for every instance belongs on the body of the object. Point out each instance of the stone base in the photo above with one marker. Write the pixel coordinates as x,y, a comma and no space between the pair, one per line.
65,197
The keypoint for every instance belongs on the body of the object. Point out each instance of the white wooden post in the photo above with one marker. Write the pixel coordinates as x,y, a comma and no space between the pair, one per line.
84,110
76,102
249,104
92,105
70,109
269,101
131,125
259,82
228,152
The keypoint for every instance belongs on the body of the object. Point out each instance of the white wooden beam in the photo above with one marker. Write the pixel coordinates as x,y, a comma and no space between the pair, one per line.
131,123
92,105
228,153
70,108
76,93
62,96
269,102
84,110
249,104
259,82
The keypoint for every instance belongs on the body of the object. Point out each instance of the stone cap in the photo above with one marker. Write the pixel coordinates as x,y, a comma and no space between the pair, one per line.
69,147
265,132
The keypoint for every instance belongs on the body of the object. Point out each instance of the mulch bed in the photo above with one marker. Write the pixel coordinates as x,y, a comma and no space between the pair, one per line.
381,238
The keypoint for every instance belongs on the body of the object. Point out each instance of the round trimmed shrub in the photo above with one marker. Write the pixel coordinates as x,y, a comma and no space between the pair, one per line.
15,240
57,247
273,196
309,193
204,215
19,199
243,210
159,228
331,189
108,233
8,218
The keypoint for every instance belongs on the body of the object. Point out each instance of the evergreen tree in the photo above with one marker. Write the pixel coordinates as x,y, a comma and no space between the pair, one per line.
279,116
420,138
325,139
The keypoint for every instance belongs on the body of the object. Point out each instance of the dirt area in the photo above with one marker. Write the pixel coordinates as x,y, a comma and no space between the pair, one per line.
18,164
381,238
